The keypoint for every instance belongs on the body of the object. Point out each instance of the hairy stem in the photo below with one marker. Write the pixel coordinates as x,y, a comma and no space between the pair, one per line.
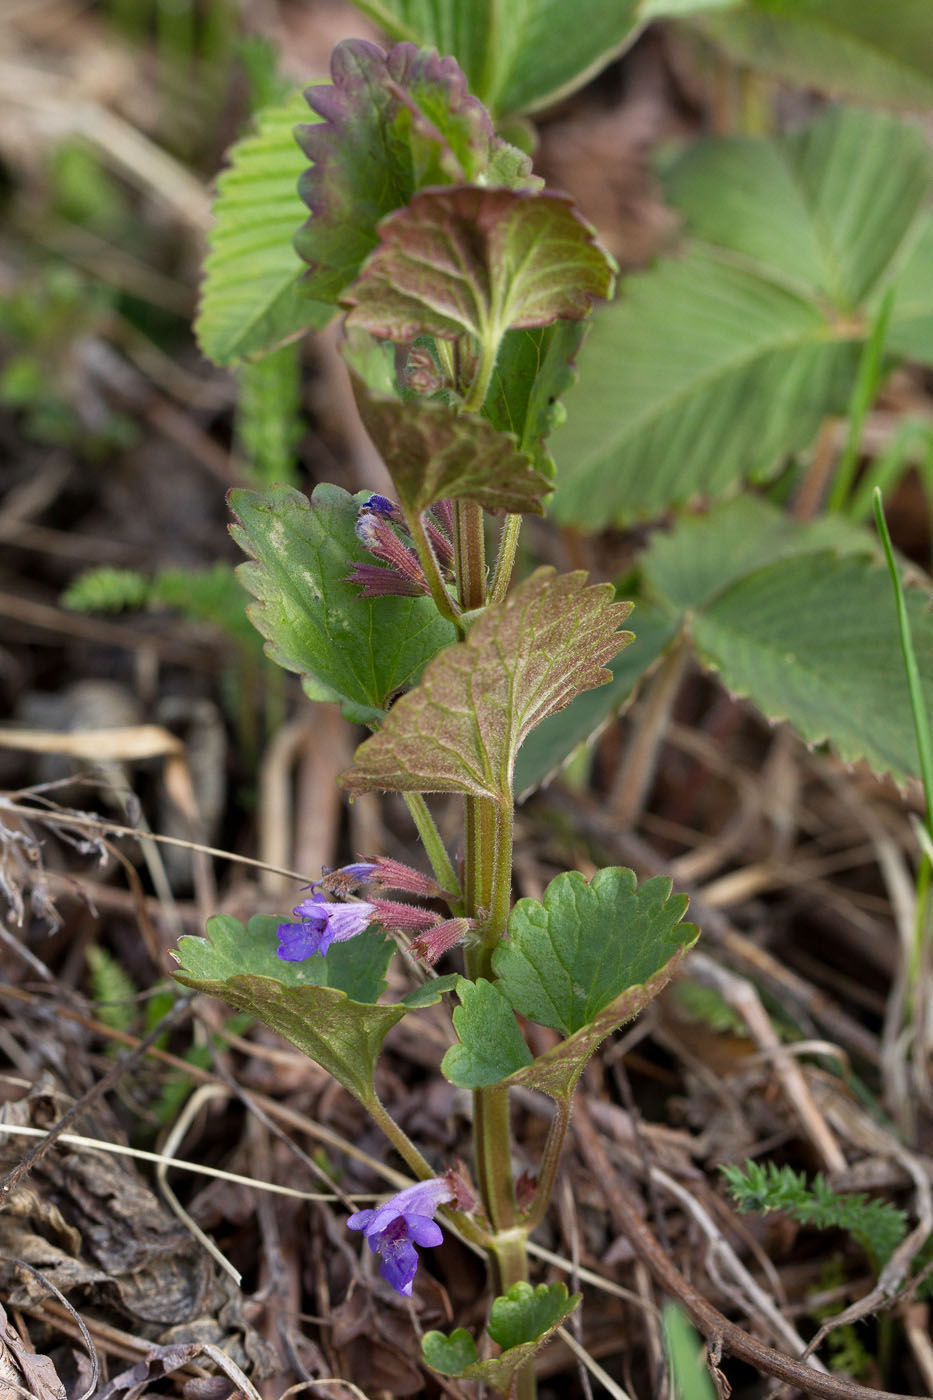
505,562
436,851
432,572
550,1159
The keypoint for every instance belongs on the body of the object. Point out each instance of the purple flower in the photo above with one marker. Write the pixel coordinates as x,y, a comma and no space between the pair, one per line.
382,506
321,925
395,1228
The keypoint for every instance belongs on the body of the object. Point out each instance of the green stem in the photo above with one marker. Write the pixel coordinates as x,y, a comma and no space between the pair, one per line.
550,1159
436,851
432,571
867,382
505,562
476,395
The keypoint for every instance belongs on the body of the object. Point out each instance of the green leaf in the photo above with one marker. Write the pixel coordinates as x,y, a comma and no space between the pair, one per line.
799,618
430,992
814,640
533,368
460,729
479,261
911,330
847,48
491,1045
450,1355
684,1355
797,238
251,302
527,1314
570,955
587,959
518,58
348,649
308,1003
549,746
433,455
521,1321
392,123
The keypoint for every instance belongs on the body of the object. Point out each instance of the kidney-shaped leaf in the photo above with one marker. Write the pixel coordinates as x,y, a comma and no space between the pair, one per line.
520,1321
460,728
571,954
390,124
323,1006
346,648
479,261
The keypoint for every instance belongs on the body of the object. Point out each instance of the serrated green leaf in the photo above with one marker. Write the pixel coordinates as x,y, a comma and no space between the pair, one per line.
478,261
847,48
449,1355
392,123
686,567
300,1001
491,1045
571,954
533,369
545,49
549,746
460,728
430,992
348,649
797,238
526,1314
521,1321
587,959
251,302
433,455
813,640
910,330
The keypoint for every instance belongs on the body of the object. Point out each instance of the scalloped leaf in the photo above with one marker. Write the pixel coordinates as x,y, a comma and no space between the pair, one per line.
586,942
251,300
307,1003
430,992
848,48
356,651
521,1321
586,959
479,261
390,124
491,1045
533,368
435,455
796,241
460,728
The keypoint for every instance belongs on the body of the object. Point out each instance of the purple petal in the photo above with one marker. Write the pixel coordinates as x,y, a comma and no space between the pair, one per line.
423,1231
347,920
399,1265
360,1220
300,941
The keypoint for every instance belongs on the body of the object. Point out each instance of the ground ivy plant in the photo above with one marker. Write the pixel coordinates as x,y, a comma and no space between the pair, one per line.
463,286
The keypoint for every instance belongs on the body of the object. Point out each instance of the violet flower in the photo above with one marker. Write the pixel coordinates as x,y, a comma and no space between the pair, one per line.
394,1229
321,925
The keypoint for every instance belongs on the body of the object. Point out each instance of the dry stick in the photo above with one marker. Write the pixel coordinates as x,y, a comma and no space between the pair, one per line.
85,1334
741,995
14,1177
718,1330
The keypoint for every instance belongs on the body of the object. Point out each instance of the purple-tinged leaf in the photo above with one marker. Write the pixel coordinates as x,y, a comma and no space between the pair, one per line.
479,261
392,123
433,455
460,728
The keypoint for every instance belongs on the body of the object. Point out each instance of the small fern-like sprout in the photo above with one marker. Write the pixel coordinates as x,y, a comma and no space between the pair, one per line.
112,989
876,1225
107,590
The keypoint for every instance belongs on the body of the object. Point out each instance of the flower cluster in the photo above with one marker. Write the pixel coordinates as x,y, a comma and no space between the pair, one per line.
321,922
381,528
